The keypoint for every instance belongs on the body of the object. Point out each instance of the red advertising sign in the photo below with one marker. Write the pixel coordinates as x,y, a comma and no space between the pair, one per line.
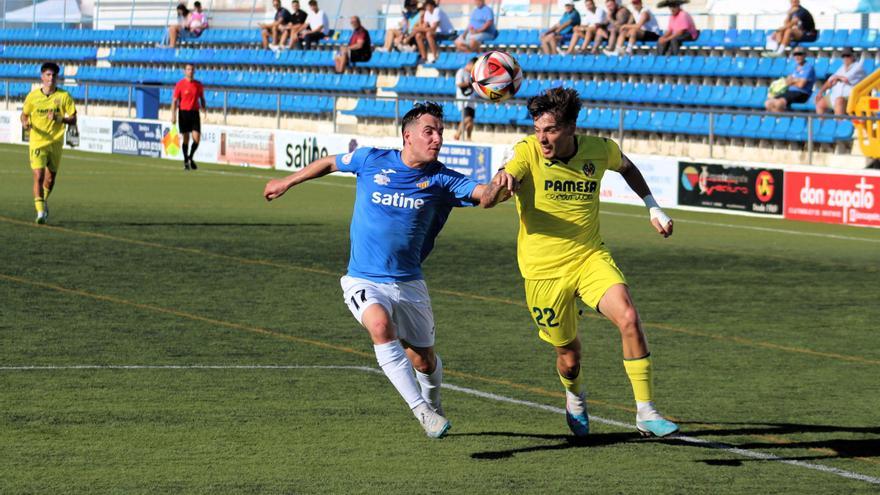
832,198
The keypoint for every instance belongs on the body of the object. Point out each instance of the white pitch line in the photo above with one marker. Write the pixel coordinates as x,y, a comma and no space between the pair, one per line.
751,227
476,393
604,212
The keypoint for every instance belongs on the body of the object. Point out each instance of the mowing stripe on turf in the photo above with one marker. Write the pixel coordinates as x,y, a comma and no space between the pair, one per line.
763,456
605,212
286,266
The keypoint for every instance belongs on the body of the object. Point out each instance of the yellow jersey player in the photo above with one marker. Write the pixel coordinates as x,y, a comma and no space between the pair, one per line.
556,175
46,110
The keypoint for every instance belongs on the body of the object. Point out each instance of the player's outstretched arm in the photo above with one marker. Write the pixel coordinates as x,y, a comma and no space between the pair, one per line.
275,188
661,221
501,188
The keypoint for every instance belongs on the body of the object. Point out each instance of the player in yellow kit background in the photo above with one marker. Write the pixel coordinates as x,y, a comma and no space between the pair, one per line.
46,111
556,174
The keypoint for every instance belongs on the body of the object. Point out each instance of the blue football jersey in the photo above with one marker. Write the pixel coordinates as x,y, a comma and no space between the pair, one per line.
398,212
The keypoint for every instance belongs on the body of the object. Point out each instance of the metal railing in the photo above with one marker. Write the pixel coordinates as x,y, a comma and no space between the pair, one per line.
621,132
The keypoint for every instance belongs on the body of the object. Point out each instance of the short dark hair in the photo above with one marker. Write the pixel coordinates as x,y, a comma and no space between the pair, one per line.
419,109
50,66
562,103
197,5
313,2
430,2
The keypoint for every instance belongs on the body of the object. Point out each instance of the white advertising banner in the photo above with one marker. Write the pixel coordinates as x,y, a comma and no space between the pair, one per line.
95,134
10,127
661,174
295,150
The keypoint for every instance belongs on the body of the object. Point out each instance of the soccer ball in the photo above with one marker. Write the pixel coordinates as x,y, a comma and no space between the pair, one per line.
496,76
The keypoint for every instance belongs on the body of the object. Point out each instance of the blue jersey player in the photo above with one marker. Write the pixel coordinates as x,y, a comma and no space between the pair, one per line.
403,199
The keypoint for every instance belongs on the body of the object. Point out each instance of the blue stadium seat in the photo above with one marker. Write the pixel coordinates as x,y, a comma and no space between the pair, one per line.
780,130
870,39
767,128
751,127
721,122
682,123
737,126
824,39
839,39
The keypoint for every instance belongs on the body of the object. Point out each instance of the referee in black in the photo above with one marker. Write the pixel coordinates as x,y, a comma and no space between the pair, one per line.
188,98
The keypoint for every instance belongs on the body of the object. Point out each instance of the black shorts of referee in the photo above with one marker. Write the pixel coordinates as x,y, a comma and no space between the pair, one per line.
189,121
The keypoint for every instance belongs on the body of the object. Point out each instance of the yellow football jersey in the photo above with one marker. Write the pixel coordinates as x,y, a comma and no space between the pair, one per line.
558,204
37,106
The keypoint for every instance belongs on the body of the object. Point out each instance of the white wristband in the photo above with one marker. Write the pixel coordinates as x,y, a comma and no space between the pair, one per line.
655,211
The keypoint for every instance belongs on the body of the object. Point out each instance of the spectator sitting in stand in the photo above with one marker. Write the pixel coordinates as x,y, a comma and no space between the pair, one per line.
840,84
593,19
481,28
617,18
318,26
800,84
680,28
645,28
435,26
271,30
561,33
798,27
395,37
359,49
190,24
290,31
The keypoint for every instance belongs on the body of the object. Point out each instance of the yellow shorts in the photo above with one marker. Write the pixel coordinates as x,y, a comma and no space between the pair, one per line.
552,301
47,156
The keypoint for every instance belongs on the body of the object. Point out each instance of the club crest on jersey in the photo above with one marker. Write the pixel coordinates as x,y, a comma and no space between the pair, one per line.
423,185
589,169
382,178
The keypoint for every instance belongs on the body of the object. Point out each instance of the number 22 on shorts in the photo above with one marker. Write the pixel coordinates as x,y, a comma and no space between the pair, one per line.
541,313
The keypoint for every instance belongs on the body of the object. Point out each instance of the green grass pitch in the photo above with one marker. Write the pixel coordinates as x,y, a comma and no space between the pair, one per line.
764,335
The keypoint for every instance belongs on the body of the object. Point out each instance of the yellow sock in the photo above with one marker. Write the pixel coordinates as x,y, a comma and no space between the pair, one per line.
641,377
40,205
573,385
46,192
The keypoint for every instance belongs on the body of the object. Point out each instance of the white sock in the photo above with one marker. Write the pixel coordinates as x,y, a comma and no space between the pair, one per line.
430,384
646,411
576,404
397,367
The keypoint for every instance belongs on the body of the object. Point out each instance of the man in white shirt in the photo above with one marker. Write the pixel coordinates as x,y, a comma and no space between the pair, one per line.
592,19
644,28
318,26
435,26
840,85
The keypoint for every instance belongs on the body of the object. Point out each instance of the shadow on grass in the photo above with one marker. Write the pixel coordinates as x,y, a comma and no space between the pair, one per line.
563,442
833,448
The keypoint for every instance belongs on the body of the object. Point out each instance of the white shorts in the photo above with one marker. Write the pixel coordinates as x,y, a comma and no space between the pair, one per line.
407,303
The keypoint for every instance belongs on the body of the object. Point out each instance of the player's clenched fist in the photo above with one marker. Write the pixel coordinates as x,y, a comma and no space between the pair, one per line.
275,188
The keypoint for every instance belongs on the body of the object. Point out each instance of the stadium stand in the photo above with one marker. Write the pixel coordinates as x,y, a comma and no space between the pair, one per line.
720,74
